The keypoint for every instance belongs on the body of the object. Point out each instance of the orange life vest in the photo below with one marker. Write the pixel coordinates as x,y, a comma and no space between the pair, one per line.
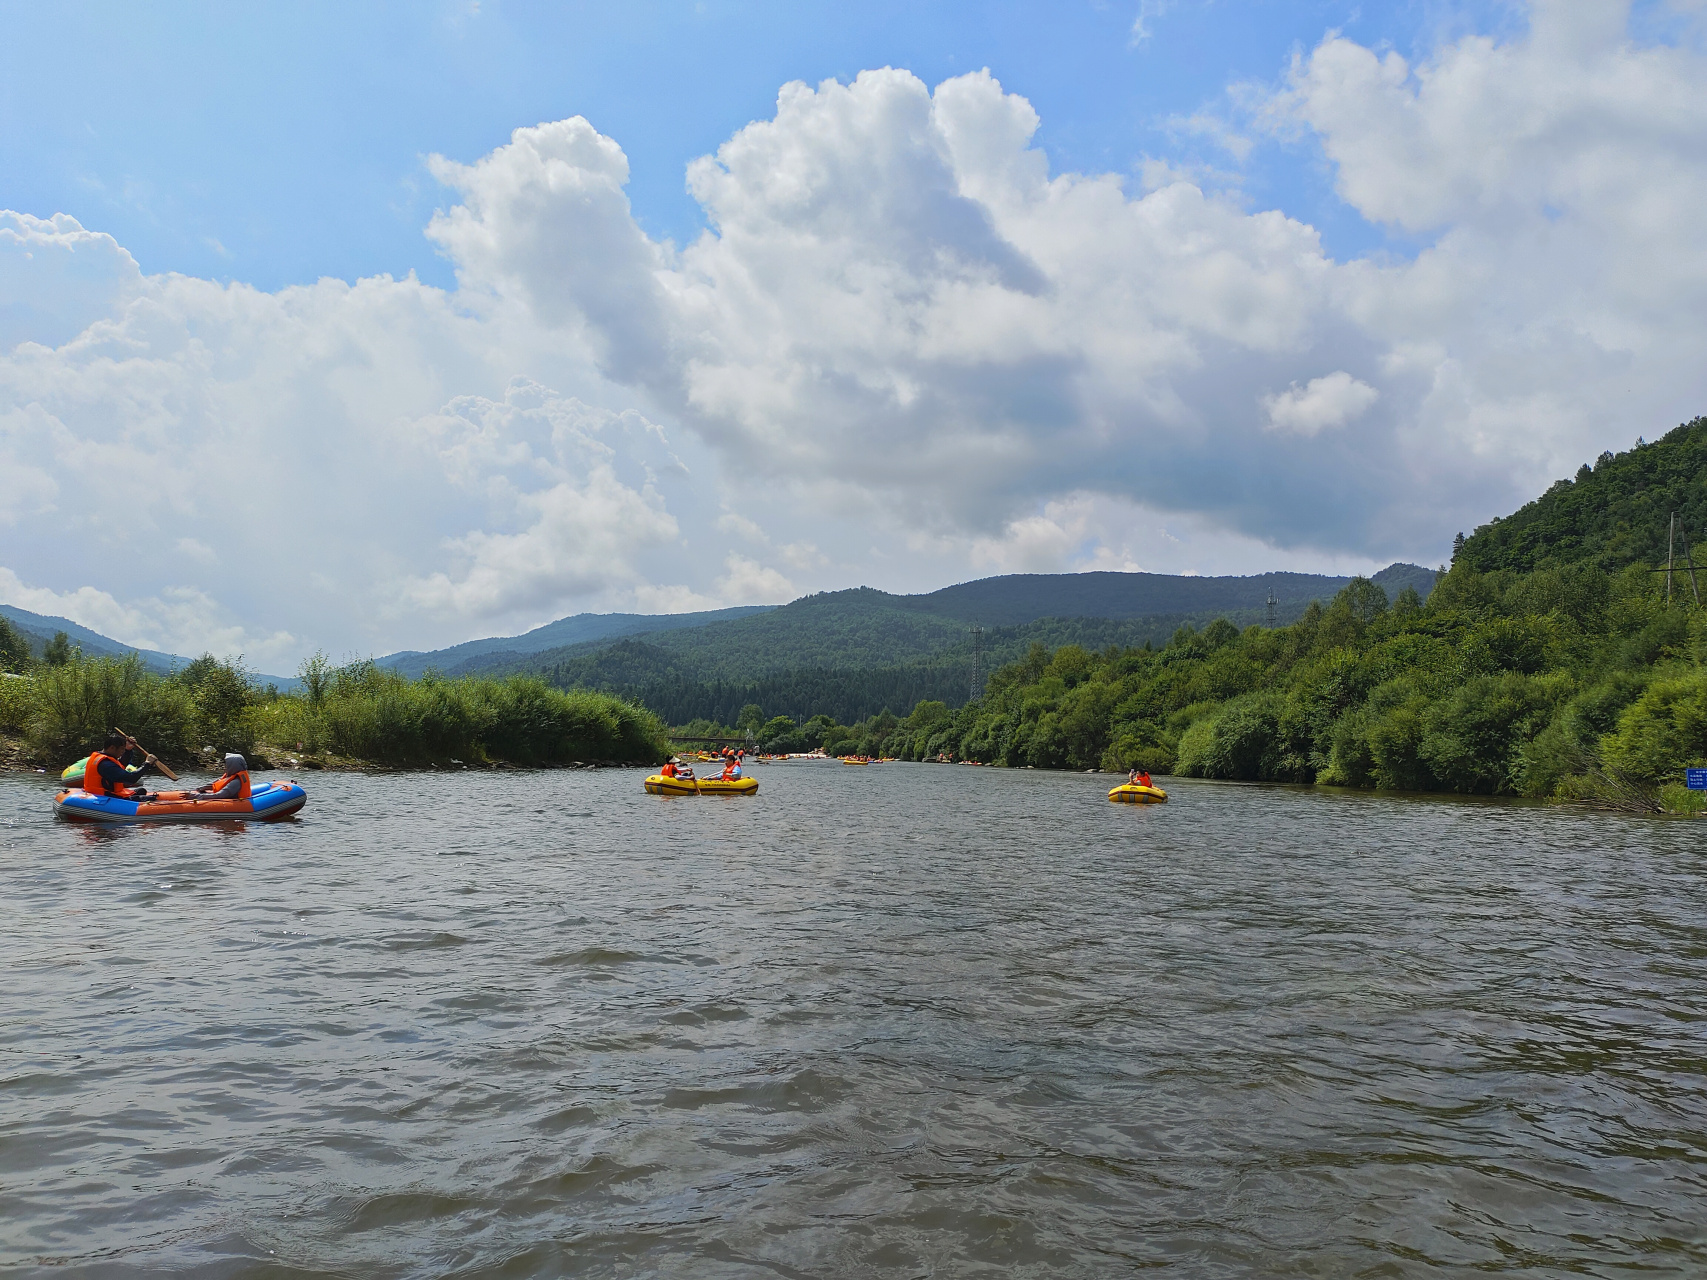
95,784
242,784
668,771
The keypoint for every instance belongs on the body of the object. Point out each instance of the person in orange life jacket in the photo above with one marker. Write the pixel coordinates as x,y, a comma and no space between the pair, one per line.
109,772
233,785
731,769
673,770
1140,778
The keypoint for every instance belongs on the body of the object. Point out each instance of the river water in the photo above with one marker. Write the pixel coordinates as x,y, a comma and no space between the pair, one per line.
902,1020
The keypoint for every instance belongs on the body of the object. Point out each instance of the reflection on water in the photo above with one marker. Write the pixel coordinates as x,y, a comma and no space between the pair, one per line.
902,1020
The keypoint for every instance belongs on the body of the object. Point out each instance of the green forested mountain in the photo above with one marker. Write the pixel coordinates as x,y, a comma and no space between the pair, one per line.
1547,662
1025,597
38,631
580,629
851,654
1615,513
869,630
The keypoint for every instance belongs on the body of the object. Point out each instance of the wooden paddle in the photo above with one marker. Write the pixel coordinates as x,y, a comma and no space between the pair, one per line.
164,768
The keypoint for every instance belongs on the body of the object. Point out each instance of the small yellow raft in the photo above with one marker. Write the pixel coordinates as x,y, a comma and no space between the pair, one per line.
733,787
1132,793
657,784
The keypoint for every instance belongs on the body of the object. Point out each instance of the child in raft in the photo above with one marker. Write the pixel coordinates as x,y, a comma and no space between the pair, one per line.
1139,778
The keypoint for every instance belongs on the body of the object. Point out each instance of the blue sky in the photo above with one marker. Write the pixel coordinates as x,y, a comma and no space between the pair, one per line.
275,145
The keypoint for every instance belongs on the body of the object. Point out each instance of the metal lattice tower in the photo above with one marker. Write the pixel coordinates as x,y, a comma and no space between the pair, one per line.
977,687
1273,608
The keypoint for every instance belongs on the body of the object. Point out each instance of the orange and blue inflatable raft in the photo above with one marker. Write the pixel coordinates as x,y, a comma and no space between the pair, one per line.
266,803
1132,793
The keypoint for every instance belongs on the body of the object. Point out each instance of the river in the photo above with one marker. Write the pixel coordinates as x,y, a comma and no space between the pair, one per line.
903,1020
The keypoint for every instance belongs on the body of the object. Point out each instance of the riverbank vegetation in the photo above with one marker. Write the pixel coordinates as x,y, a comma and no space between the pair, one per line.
1564,683
359,714
1551,660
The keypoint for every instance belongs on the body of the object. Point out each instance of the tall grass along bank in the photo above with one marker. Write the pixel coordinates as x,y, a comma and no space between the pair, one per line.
358,713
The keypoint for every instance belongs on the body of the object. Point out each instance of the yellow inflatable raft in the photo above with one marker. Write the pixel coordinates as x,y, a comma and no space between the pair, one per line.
733,787
657,784
1132,793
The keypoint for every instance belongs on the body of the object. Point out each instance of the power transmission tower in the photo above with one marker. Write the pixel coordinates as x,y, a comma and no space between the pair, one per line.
977,687
1273,607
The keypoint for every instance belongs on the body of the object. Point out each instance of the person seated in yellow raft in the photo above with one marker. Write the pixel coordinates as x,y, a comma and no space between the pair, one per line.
672,770
1140,778
731,768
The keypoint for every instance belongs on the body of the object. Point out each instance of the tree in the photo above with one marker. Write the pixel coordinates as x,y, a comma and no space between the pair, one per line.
750,718
14,649
59,650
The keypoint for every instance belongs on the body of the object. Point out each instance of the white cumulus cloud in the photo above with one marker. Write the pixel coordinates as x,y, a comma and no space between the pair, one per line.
1331,401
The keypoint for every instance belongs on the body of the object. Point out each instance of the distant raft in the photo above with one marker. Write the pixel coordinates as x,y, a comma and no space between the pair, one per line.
657,784
1132,793
74,772
266,803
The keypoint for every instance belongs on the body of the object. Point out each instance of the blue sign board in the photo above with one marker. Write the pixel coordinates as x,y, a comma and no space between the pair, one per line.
1695,779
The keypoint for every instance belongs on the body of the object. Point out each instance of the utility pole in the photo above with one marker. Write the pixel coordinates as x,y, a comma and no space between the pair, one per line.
1671,537
1689,560
977,686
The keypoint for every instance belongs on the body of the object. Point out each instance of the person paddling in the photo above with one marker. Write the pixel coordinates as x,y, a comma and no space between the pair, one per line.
108,772
232,785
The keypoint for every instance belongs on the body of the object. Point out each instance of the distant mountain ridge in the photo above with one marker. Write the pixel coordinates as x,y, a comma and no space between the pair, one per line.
39,628
580,628
866,629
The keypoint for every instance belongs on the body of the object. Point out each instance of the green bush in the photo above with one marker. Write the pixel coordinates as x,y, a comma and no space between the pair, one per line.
17,703
366,712
1678,798
1472,741
79,700
1663,731
223,697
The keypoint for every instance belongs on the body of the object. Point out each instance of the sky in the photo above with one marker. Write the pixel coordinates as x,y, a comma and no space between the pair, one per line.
361,328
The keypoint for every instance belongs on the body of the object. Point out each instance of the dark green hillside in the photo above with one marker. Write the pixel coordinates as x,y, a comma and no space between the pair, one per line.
865,629
39,629
847,630
1612,514
678,689
1025,597
580,629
